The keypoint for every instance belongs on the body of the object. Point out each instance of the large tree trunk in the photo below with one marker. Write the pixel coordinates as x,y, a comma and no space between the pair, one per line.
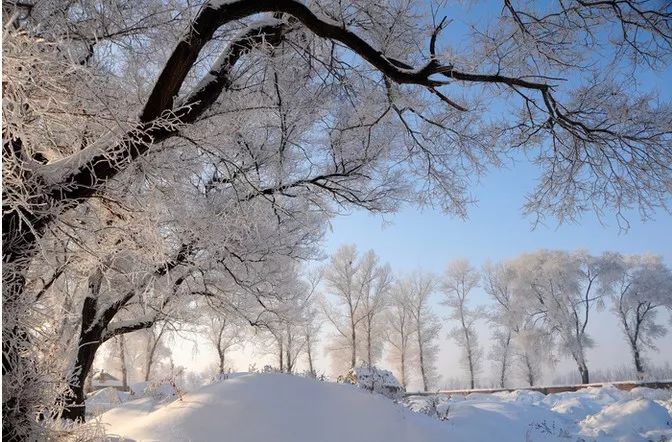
639,366
18,247
583,371
221,355
89,342
90,339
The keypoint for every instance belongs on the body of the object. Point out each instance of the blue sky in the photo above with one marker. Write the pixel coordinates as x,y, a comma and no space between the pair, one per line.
495,229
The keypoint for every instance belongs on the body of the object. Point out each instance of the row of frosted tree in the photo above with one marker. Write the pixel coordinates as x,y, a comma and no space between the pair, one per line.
540,308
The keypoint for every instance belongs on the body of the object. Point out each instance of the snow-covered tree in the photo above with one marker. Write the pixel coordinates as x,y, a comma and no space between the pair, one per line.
357,288
505,318
532,351
155,346
399,331
313,321
224,334
643,288
459,279
340,277
426,325
518,342
288,329
561,289
373,282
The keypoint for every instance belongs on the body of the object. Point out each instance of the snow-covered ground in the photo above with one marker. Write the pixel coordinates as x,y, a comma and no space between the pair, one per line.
283,408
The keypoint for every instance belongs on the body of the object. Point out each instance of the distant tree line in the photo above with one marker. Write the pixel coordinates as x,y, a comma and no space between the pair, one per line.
542,303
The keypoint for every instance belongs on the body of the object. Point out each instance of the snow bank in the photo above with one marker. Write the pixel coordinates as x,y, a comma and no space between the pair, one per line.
274,407
598,414
284,408
104,399
629,420
162,391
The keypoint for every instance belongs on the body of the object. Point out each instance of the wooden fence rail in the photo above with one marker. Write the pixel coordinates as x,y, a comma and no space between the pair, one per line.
625,386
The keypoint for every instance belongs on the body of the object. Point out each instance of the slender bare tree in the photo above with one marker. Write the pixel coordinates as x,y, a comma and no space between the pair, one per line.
644,286
340,277
373,282
399,331
459,280
426,325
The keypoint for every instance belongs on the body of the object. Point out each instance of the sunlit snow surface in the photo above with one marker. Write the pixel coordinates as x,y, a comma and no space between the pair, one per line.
283,408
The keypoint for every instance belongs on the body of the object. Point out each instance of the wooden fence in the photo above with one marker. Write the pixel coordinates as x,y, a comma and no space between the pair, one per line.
625,386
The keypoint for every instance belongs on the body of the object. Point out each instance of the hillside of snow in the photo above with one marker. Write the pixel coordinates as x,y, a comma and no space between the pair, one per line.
284,408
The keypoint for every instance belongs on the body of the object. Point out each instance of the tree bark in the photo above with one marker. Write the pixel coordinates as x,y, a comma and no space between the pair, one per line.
89,342
583,371
281,354
221,361
90,339
153,345
94,331
530,370
470,356
505,360
639,366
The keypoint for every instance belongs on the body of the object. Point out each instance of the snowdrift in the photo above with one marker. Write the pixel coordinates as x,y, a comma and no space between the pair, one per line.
284,408
273,407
